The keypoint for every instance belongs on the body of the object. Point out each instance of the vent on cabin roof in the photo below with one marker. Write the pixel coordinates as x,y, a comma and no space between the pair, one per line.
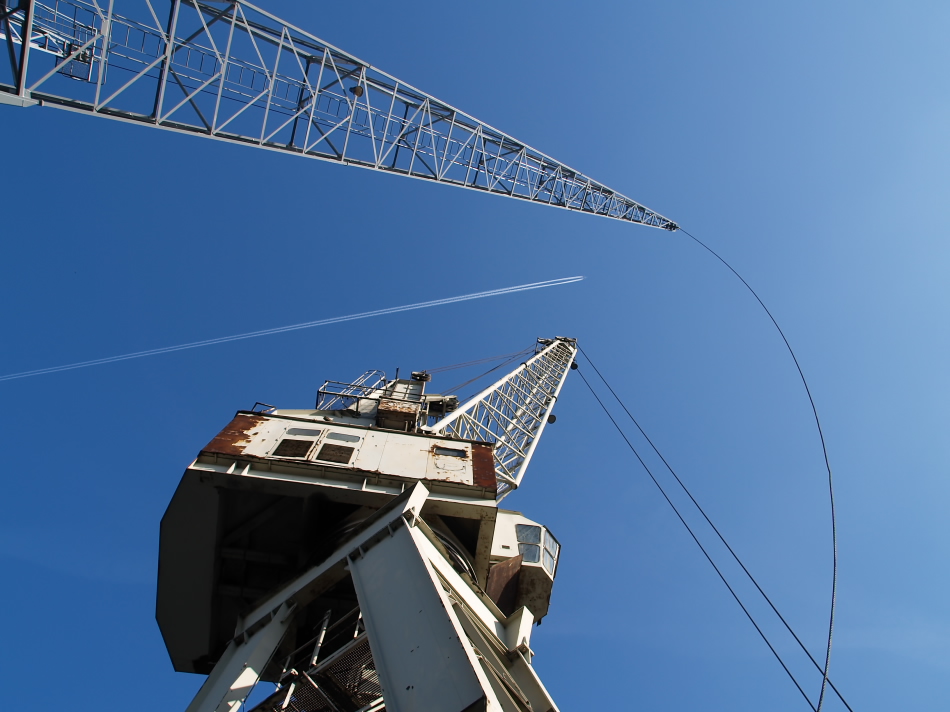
289,447
335,453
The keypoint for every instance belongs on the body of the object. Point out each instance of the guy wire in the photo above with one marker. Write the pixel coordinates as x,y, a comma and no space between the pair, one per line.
696,539
513,357
824,450
714,527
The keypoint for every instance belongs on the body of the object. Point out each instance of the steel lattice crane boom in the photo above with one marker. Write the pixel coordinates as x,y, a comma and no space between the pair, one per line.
317,548
512,413
233,72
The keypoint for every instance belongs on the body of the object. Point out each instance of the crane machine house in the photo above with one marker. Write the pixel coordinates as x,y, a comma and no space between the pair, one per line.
355,555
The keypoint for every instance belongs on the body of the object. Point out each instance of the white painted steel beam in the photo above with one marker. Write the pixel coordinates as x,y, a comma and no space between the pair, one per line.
241,665
421,653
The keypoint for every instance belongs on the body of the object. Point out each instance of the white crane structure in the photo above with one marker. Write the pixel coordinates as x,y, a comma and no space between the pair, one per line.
234,72
355,554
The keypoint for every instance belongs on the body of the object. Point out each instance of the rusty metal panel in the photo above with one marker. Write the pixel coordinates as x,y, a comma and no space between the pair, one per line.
236,435
396,414
398,406
503,584
483,466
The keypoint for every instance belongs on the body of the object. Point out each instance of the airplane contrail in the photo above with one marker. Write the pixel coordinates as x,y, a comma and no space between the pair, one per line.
294,327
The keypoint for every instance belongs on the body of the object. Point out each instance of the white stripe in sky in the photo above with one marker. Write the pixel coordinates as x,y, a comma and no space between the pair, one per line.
294,327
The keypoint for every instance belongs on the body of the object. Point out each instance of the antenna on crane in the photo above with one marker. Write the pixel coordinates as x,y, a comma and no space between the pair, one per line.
317,548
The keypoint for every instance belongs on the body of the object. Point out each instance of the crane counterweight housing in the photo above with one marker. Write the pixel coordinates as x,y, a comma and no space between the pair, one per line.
312,548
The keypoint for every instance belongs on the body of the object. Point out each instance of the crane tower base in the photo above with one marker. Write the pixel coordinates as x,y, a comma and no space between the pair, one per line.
407,621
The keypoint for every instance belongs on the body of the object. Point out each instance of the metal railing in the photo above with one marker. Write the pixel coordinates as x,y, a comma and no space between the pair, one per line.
344,678
337,395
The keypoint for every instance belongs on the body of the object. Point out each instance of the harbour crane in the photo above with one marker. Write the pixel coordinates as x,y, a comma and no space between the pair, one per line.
355,553
231,71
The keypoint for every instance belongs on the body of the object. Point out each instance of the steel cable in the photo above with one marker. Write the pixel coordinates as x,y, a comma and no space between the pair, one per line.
713,526
512,357
696,539
464,364
824,451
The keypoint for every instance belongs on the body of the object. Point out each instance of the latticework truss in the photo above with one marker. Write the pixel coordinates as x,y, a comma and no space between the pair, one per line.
231,71
512,413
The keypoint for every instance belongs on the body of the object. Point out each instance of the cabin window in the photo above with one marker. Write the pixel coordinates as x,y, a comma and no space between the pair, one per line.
306,432
528,533
529,540
449,451
551,549
345,437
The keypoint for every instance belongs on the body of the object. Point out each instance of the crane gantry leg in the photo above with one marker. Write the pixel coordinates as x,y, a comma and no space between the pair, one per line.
423,640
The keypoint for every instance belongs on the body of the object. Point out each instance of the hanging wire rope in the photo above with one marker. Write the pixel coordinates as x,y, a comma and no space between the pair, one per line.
824,451
512,357
711,524
696,539
476,362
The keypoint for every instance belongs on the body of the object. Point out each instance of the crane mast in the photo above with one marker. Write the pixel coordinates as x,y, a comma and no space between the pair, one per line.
234,72
355,554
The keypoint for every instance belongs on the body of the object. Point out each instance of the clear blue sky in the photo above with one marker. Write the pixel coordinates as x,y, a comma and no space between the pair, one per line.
807,143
